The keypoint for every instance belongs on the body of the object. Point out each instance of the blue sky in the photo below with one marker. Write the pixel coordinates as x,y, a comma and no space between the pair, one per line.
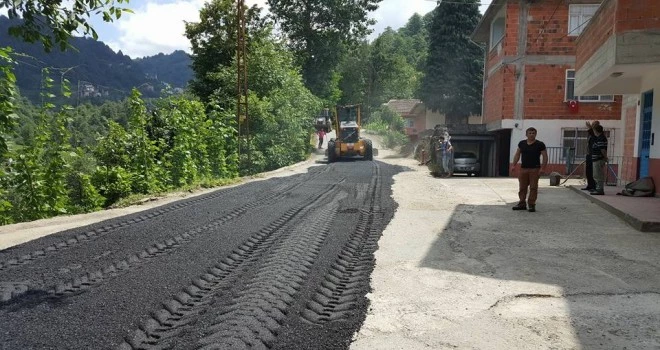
158,25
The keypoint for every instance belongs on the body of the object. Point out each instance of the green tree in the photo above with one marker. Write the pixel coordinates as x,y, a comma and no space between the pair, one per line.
390,74
452,81
8,96
54,22
354,70
213,44
319,32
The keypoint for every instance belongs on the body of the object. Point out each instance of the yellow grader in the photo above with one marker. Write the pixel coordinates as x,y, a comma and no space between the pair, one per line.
348,143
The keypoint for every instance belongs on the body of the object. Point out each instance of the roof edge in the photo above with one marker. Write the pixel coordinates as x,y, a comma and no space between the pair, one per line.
482,32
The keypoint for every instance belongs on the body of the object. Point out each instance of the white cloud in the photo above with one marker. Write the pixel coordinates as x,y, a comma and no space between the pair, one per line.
155,28
395,14
158,25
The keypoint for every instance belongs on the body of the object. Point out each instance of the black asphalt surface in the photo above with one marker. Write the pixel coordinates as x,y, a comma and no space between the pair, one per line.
282,263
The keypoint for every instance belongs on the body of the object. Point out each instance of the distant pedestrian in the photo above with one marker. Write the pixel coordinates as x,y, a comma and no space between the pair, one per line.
445,149
588,163
531,168
321,134
599,159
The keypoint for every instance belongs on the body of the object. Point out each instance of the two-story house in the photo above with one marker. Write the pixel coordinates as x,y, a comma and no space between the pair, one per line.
529,79
618,52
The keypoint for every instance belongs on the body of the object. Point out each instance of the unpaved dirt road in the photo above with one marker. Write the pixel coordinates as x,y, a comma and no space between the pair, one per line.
284,263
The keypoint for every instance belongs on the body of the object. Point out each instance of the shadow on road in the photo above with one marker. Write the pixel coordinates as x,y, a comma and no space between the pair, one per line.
607,273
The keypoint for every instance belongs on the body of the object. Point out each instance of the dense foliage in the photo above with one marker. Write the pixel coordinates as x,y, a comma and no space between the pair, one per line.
452,80
391,67
320,32
54,22
76,157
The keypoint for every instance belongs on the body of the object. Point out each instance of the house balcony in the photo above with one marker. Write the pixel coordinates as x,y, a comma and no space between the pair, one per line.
619,48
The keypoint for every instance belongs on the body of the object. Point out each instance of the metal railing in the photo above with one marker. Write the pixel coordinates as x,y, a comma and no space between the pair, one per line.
562,156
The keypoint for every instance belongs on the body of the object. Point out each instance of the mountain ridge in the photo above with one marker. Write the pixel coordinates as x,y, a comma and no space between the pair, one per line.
95,72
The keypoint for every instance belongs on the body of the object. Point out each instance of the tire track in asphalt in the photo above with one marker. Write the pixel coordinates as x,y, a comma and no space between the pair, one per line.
12,293
254,316
107,229
347,280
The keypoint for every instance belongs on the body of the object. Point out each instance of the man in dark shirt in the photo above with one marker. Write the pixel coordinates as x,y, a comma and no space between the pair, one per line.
599,159
588,163
531,168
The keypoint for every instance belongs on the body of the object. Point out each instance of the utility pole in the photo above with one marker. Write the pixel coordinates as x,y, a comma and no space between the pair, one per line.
242,83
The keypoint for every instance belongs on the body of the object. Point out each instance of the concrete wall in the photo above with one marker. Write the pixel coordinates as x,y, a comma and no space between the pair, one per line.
631,122
433,119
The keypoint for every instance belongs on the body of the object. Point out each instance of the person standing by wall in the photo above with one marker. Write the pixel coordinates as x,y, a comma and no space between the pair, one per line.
445,151
599,159
321,134
531,168
588,163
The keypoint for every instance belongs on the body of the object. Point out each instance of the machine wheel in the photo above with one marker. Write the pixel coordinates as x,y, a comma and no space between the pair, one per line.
332,156
369,153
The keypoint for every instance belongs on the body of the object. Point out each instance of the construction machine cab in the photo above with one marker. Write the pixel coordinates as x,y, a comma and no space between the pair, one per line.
323,121
348,142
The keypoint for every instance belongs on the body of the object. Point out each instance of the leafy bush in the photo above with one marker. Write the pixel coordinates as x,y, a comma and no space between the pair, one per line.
112,183
83,196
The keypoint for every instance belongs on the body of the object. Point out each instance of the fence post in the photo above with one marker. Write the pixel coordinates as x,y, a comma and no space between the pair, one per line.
569,154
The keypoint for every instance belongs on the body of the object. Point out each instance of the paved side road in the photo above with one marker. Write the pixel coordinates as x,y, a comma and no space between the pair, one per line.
458,269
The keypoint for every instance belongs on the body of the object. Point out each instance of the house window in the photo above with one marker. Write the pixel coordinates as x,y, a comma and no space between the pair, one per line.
496,31
578,139
570,91
409,122
579,16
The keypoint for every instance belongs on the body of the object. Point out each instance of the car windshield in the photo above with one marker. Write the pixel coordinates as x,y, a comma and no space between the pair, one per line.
464,155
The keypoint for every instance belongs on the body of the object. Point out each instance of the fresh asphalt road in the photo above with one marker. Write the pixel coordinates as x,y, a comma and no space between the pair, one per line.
282,263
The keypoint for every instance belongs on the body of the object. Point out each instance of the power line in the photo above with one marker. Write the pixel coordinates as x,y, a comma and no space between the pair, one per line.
548,21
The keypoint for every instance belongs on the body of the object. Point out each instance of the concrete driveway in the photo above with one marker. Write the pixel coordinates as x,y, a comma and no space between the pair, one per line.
458,269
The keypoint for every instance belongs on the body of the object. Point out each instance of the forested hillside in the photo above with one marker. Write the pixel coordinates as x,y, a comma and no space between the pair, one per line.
67,147
95,71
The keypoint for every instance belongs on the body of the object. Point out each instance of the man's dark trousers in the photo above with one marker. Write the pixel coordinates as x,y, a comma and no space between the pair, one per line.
589,172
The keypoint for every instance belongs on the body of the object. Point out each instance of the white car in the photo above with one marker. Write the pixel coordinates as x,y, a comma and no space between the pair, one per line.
467,163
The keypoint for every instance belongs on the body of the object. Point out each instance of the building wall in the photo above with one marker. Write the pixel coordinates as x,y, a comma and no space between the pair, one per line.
419,123
596,33
546,40
493,99
634,15
545,89
433,119
547,29
630,145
